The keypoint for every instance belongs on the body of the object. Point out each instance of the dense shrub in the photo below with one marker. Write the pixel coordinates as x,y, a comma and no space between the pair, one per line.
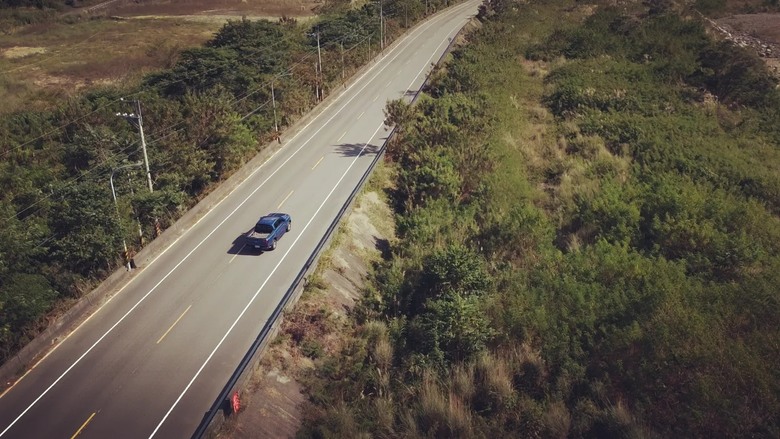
628,289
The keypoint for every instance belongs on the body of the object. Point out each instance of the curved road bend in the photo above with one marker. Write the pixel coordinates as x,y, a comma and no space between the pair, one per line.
151,361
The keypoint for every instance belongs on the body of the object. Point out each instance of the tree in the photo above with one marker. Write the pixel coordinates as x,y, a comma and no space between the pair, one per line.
260,44
23,299
451,328
88,235
454,270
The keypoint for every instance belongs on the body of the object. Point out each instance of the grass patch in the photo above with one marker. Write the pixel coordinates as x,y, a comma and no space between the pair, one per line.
63,59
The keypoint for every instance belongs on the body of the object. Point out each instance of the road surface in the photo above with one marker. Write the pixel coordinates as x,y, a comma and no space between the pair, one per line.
152,360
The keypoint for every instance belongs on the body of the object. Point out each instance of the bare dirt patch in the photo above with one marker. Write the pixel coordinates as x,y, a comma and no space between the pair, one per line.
760,32
21,52
233,8
765,27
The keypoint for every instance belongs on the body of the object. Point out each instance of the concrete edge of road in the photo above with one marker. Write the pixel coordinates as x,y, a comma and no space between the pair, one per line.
67,323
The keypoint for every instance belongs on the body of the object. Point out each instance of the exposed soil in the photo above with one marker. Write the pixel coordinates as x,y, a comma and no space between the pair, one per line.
762,26
21,52
230,8
760,32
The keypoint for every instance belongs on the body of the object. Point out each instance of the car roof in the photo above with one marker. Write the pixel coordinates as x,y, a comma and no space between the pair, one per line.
270,218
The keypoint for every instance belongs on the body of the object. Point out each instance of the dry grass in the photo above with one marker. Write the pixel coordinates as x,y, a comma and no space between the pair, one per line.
61,59
383,353
443,414
234,8
493,375
46,62
463,381
557,420
384,414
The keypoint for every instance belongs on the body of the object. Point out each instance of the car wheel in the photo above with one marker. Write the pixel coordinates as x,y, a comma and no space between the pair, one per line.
273,245
289,225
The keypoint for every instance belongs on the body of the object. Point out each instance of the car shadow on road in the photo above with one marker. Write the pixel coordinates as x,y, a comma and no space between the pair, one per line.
239,246
355,149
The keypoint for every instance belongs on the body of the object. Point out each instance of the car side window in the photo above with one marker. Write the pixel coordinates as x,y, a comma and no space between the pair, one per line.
277,223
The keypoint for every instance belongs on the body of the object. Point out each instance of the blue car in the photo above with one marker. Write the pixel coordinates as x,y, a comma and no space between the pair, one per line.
268,230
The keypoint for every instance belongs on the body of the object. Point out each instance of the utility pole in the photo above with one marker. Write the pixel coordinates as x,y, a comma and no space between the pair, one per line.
137,218
136,120
319,67
273,102
116,205
342,62
381,27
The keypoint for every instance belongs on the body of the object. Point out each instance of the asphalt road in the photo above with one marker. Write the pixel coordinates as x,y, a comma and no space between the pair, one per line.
151,361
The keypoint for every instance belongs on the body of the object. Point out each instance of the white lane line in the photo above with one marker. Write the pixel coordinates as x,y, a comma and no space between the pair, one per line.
251,301
342,136
375,98
388,83
361,115
425,66
318,162
408,39
236,255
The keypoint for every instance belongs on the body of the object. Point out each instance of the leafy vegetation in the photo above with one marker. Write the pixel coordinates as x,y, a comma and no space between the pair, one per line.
203,118
587,205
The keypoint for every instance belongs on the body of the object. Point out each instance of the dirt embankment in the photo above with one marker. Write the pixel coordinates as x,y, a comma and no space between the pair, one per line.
759,32
272,403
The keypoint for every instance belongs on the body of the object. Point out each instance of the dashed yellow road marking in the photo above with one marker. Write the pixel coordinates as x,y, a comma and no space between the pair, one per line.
174,324
78,432
285,199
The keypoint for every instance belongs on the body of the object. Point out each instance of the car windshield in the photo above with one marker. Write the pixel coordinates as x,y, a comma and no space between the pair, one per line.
263,228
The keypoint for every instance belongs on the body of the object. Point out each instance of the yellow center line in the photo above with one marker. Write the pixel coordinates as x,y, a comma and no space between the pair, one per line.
342,136
318,162
78,432
174,324
285,199
361,115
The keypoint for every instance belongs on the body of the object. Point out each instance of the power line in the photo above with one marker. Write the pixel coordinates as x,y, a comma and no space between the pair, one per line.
69,182
74,179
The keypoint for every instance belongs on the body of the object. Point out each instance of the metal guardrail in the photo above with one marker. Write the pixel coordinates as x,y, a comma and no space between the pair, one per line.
223,399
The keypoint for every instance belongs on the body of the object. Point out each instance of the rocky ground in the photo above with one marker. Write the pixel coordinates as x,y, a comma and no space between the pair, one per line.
760,32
